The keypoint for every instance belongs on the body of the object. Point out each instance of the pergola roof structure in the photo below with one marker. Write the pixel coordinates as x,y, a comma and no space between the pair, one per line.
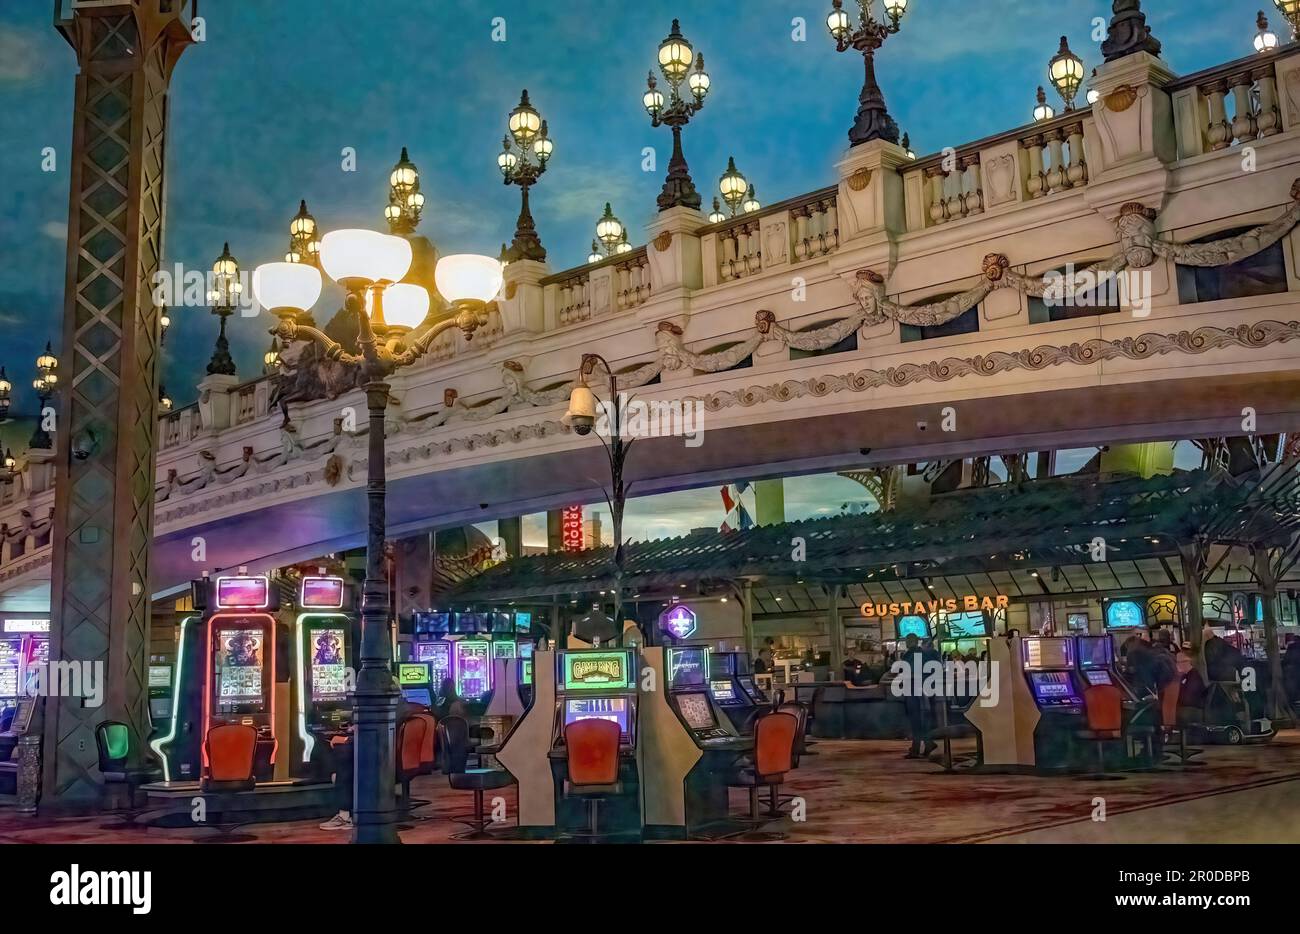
1029,541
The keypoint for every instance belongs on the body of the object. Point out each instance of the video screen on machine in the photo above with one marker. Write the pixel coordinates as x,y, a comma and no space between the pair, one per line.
437,654
434,623
696,711
614,709
917,626
239,660
504,650
322,592
249,593
1095,653
9,657
473,669
329,670
597,671
687,667
966,625
1052,685
722,691
160,676
1097,676
723,663
526,672
1049,653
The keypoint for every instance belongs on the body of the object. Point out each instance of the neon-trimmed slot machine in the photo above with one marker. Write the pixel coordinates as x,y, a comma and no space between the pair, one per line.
725,670
11,665
597,684
431,645
24,653
1049,666
225,673
416,683
473,667
325,638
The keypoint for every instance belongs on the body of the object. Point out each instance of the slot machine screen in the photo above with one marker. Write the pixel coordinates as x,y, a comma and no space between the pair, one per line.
526,676
160,676
966,625
525,650
438,655
322,593
614,709
1097,676
473,669
504,650
10,654
328,664
523,621
722,691
1049,653
243,593
696,711
597,671
433,623
240,662
1095,653
413,679
688,667
913,626
723,663
1053,686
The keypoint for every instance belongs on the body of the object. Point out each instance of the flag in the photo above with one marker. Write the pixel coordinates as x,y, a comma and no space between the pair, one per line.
738,503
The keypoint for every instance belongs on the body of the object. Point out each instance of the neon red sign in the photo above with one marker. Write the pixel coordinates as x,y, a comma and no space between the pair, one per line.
571,537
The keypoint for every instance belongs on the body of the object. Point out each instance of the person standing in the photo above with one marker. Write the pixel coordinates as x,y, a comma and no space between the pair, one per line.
916,705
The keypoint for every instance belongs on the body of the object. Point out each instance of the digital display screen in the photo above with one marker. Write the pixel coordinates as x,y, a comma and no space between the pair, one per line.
614,709
523,621
967,625
688,667
322,592
525,649
696,711
438,655
248,593
329,671
747,685
420,696
409,673
9,658
723,663
504,650
473,669
1124,614
722,690
472,623
597,671
1052,685
1049,653
435,623
160,676
913,626
1097,676
1095,653
27,625
240,663
1077,621
526,671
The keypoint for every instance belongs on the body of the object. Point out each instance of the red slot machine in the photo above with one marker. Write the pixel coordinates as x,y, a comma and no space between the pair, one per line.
240,664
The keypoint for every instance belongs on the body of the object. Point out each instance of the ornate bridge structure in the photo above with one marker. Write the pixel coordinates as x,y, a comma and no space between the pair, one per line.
833,331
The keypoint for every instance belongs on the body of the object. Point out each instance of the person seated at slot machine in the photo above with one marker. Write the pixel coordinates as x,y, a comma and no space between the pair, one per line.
338,757
853,673
763,664
1191,693
451,705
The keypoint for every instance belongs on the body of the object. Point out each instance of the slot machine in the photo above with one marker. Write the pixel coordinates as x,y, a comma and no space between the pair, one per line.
160,698
415,681
1097,664
24,653
431,645
11,664
727,691
524,680
326,634
225,673
1049,667
597,684
472,661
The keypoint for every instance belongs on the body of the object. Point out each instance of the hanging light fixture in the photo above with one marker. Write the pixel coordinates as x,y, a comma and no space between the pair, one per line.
1265,39
1065,71
1043,111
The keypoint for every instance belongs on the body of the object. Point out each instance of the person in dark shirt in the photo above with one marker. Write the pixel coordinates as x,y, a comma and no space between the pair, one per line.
763,664
915,704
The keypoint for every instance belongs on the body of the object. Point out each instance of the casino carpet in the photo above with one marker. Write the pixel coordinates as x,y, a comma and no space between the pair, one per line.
854,792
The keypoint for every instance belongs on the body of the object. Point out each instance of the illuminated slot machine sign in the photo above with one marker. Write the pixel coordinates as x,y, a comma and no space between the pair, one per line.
688,666
328,664
10,660
597,671
438,655
243,593
239,668
242,647
321,593
473,668
1049,663
414,680
506,649
1125,614
325,636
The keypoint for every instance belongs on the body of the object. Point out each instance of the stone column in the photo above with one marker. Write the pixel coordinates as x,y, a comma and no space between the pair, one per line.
103,526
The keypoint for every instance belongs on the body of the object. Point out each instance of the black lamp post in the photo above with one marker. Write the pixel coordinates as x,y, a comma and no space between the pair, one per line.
675,55
222,297
6,388
526,150
46,380
873,120
8,466
393,332
581,417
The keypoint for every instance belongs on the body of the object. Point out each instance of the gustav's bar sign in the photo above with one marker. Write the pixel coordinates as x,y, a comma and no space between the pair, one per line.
951,604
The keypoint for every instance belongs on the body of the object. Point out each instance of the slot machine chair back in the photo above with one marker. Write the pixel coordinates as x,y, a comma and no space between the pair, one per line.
231,750
776,733
119,764
453,759
592,767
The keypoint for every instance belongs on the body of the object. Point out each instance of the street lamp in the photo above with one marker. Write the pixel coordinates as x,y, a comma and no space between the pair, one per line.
1265,39
405,202
6,388
873,120
1065,71
1043,110
581,417
732,186
611,237
391,334
164,400
271,359
46,380
526,150
164,322
8,466
222,297
1290,9
906,143
675,63
751,203
303,245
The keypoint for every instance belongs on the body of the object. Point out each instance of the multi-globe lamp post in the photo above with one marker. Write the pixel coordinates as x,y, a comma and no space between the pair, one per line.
737,193
873,120
1266,39
1066,72
47,378
611,237
675,59
526,150
6,390
1290,10
392,333
222,299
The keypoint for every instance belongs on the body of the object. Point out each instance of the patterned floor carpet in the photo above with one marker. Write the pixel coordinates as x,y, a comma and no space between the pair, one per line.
854,792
